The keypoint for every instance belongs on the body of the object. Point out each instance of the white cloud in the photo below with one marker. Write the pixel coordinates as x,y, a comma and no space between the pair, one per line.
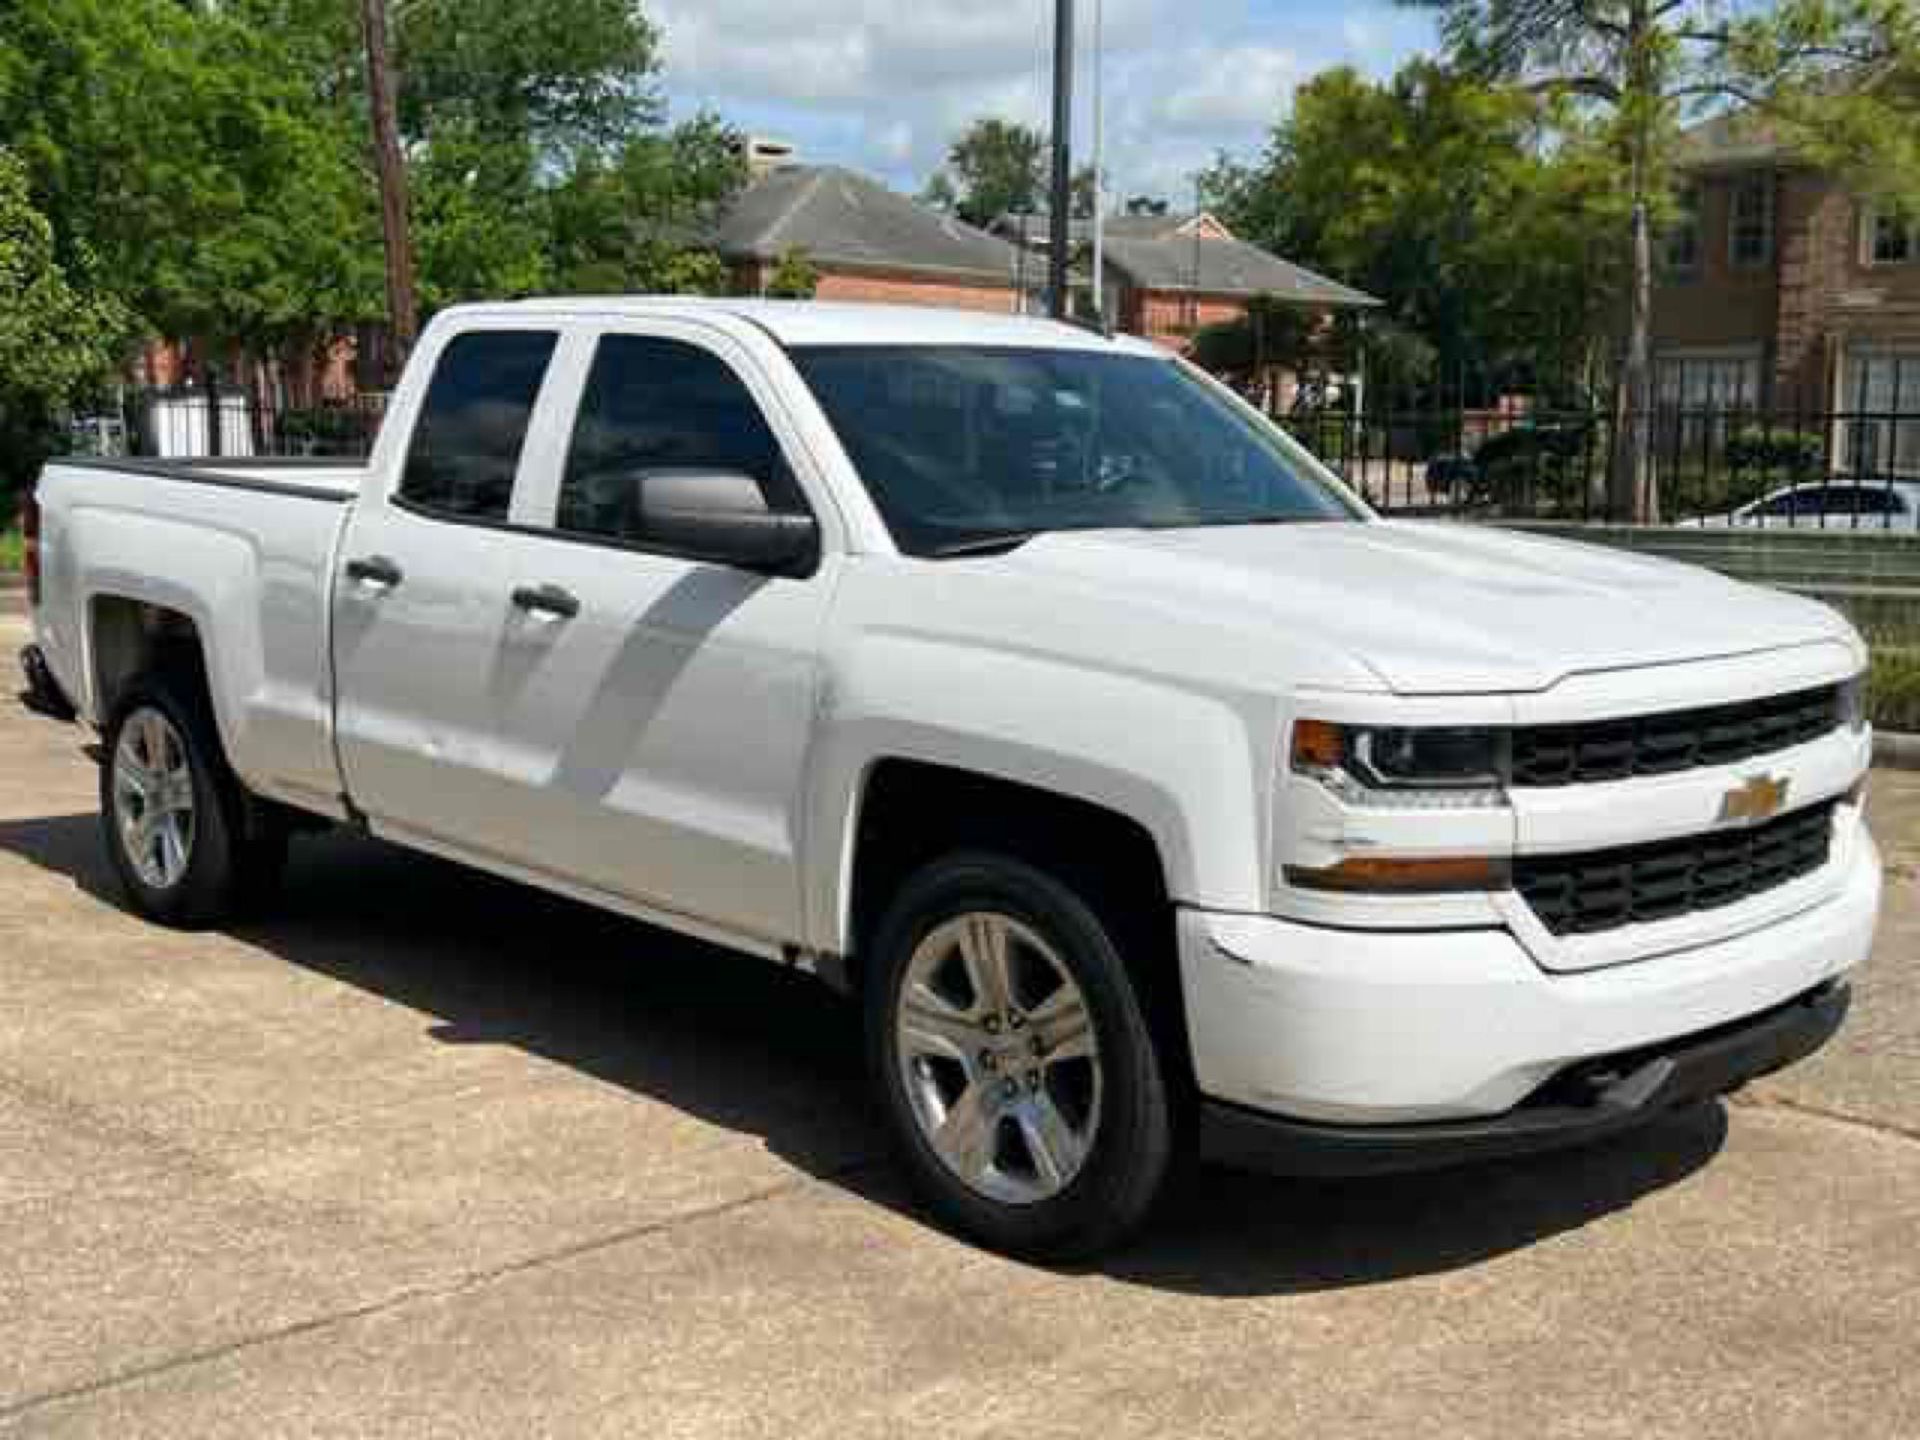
1214,91
884,85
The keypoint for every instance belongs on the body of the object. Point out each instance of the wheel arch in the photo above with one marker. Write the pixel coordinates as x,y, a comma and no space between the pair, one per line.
129,637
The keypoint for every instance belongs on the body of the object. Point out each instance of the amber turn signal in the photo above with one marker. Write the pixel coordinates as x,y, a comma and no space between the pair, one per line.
1403,876
1318,745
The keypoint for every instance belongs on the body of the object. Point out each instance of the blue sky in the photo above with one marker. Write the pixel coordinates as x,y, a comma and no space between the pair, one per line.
883,85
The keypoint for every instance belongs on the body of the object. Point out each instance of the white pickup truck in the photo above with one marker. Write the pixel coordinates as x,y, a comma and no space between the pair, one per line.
1149,792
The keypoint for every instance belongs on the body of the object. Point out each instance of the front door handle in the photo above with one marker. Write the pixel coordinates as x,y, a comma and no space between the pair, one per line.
547,600
374,570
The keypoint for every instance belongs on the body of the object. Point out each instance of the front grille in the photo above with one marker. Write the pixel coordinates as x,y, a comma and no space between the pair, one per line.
1599,890
1678,740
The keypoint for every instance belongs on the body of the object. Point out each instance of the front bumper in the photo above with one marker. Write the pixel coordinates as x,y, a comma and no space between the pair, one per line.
1593,1101
1352,1028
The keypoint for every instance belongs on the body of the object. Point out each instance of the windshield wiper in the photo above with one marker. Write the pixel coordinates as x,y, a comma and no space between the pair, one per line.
997,542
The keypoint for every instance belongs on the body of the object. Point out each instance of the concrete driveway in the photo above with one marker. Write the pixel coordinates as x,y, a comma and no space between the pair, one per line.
428,1154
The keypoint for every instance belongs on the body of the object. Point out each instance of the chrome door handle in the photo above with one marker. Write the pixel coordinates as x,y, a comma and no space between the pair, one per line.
547,600
374,570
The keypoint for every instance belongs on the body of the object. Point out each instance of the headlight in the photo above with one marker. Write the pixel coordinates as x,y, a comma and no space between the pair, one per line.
1853,703
1441,767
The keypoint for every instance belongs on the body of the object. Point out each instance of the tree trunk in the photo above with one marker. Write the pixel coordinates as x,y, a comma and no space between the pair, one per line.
1634,496
1634,487
402,314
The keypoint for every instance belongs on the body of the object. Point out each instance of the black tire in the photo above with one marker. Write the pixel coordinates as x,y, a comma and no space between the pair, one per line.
1131,1147
238,850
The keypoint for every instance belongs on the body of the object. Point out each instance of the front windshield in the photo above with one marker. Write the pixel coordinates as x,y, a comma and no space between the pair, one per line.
963,447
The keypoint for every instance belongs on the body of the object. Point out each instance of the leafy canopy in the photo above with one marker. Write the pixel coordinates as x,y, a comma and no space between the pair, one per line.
999,167
1441,197
56,337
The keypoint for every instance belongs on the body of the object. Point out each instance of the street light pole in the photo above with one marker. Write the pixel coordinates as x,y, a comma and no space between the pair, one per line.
1058,229
1099,179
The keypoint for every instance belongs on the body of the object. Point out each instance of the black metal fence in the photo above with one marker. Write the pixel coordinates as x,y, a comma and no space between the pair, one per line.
219,421
1734,464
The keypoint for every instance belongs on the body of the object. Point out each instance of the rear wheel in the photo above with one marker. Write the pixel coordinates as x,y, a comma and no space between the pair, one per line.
1018,1073
187,841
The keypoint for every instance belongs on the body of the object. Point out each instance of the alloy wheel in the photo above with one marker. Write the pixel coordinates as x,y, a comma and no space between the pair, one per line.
997,1052
153,798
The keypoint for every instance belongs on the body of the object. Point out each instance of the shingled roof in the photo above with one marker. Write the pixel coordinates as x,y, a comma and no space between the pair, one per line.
1215,265
1161,252
840,217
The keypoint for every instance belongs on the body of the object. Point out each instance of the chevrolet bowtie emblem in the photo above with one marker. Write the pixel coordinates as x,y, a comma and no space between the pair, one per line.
1757,798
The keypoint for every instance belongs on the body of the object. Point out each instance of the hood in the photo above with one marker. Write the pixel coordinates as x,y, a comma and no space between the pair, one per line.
1437,608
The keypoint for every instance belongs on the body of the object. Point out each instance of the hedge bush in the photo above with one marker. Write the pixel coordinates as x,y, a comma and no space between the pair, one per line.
1893,689
1792,454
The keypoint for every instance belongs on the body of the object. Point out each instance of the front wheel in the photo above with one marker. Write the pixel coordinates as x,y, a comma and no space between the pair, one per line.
1018,1074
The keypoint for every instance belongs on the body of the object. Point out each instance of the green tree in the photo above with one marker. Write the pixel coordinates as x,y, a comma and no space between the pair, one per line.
640,220
1443,198
940,193
559,76
1832,76
196,154
516,119
59,337
995,166
794,276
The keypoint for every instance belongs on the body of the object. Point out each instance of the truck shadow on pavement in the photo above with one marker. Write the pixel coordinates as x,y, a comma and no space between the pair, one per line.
743,1044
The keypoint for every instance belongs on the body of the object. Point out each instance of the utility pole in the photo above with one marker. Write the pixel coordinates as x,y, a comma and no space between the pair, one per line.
402,317
1059,231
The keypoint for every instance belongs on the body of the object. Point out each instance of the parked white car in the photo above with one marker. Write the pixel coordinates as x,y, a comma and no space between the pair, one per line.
1839,505
1026,685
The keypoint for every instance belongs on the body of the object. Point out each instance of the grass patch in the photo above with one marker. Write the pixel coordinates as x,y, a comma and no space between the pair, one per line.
12,549
1893,688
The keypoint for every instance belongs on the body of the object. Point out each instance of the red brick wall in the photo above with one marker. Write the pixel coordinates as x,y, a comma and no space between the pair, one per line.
1170,317
1829,297
1718,304
1804,309
307,375
913,290
893,289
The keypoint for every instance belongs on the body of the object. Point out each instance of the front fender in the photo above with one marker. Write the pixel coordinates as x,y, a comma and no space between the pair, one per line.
1190,766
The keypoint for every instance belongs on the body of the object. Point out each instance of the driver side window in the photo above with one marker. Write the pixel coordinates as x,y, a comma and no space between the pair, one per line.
653,405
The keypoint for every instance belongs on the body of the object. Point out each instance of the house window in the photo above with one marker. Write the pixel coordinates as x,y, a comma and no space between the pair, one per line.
1880,395
1680,243
1886,239
1699,396
1707,381
1750,222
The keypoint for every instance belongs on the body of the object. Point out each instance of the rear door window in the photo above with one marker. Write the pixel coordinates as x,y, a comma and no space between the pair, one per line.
466,446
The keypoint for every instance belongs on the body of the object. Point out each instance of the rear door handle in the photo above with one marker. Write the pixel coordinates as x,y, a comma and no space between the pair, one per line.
374,570
547,600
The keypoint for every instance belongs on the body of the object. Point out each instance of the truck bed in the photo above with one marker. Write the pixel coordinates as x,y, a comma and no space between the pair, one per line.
244,549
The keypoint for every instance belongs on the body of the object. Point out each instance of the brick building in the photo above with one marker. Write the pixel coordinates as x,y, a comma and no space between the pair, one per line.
1778,288
865,242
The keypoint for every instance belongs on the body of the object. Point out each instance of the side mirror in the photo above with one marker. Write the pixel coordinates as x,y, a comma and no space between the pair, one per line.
722,516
